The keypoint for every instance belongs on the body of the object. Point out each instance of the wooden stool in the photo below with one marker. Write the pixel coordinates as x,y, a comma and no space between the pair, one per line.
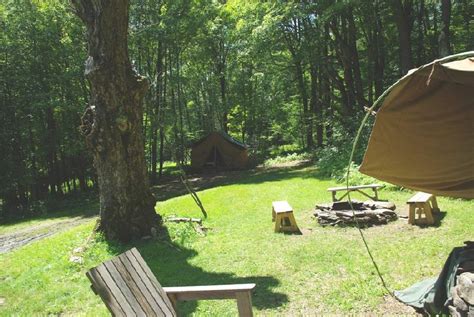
282,215
420,204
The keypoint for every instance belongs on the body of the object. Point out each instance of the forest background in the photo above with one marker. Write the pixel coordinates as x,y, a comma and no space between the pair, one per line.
281,76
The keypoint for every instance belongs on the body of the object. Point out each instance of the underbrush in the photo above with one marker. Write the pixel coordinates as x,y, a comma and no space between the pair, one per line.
287,159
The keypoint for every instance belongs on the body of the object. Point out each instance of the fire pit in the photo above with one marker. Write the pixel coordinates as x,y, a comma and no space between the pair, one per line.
368,213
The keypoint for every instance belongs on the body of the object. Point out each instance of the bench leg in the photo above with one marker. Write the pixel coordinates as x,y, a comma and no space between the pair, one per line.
244,304
411,215
376,196
340,198
278,220
367,195
294,226
428,213
434,204
334,199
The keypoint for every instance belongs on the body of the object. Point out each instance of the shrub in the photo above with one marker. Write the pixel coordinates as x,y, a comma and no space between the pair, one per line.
287,158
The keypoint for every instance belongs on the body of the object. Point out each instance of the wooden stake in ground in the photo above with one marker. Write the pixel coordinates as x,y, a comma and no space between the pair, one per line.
112,122
193,193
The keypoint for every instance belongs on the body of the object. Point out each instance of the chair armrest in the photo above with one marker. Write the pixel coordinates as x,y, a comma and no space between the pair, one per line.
207,292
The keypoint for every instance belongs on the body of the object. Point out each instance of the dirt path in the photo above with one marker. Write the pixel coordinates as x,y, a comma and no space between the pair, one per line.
20,238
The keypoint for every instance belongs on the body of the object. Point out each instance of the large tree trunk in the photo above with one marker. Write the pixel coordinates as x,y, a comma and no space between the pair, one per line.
404,21
444,35
112,123
307,115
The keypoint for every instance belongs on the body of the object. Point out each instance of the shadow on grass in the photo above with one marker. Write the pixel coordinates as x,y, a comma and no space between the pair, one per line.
171,187
438,218
84,206
170,264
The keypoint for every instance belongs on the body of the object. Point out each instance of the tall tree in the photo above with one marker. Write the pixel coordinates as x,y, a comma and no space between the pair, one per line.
403,11
112,123
444,35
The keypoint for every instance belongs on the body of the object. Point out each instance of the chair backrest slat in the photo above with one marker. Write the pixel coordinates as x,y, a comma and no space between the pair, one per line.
100,287
115,294
128,287
150,302
151,283
151,280
124,288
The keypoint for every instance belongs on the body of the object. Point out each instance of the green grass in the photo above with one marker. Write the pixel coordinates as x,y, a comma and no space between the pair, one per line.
325,270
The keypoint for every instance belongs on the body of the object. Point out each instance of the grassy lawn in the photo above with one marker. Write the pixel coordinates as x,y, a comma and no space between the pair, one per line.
325,270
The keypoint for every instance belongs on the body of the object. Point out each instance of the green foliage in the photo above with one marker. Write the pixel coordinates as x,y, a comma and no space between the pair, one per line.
288,158
182,234
285,149
270,73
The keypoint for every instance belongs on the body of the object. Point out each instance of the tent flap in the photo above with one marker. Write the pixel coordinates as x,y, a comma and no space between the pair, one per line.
423,137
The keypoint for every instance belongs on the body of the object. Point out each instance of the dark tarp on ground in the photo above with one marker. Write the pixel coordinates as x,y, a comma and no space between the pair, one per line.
423,137
431,295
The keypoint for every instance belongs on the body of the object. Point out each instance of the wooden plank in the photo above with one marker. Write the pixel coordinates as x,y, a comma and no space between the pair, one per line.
115,290
278,219
420,197
151,282
157,293
133,287
411,214
99,287
428,213
332,189
367,195
434,204
281,206
208,291
244,304
137,279
122,285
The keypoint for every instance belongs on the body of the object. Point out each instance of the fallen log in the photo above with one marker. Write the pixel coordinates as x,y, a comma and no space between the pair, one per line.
184,219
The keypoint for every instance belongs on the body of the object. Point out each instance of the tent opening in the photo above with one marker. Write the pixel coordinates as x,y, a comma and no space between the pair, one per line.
215,159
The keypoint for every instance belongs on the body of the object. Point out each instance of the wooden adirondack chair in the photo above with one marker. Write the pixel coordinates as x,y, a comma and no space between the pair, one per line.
128,288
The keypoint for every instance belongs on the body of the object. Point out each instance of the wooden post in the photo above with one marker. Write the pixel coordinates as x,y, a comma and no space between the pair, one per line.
244,304
434,204
411,216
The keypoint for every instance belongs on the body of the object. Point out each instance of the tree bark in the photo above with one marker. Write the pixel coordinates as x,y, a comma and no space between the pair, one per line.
444,35
404,21
307,115
112,123
157,112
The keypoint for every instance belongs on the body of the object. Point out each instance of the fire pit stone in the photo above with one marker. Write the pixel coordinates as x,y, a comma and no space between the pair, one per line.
366,213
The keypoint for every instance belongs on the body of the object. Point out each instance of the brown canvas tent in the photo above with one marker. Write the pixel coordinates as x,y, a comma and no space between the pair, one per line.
423,137
219,150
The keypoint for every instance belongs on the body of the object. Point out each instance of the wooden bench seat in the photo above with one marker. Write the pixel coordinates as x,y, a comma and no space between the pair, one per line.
359,188
128,288
282,215
423,205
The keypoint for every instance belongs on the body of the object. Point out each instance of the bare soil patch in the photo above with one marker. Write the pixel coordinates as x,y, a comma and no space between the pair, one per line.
23,237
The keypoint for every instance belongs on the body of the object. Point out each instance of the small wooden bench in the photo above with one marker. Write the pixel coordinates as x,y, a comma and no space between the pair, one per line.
128,288
359,189
282,215
422,204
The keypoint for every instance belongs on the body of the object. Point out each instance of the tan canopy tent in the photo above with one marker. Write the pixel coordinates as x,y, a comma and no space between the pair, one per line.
423,137
219,150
